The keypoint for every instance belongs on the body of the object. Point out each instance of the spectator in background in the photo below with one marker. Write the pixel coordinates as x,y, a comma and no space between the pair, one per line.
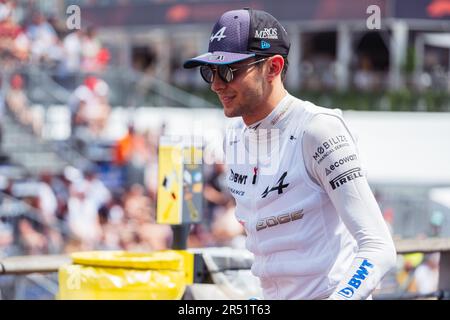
200,237
54,237
43,37
60,186
103,57
14,43
155,236
32,241
364,78
72,62
151,168
82,217
136,203
18,103
436,221
91,48
216,193
83,94
74,244
7,248
6,239
48,203
131,154
96,189
6,9
141,222
2,112
59,25
89,109
95,112
426,275
405,277
112,218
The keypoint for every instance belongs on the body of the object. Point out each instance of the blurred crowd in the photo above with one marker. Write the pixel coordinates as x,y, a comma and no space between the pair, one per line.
111,204
32,37
76,211
418,273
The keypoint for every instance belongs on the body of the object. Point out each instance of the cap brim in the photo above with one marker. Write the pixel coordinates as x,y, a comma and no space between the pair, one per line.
217,57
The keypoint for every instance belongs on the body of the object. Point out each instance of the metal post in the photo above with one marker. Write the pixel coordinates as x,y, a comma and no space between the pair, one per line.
180,236
294,72
344,54
419,56
448,74
444,271
398,50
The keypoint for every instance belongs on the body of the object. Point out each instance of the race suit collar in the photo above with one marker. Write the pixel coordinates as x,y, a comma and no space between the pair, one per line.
276,118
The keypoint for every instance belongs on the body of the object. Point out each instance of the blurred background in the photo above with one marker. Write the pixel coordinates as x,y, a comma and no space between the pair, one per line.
81,113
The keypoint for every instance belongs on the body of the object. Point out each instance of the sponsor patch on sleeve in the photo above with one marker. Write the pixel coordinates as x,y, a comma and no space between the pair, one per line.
360,276
329,169
345,177
329,146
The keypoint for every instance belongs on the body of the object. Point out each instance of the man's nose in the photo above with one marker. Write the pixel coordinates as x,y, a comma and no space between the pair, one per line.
218,84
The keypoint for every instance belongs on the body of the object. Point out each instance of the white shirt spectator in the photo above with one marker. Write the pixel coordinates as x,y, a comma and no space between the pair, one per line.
48,202
97,192
43,37
83,216
427,275
72,47
6,10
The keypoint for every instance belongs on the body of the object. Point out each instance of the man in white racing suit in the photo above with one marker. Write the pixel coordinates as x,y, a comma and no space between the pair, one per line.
301,192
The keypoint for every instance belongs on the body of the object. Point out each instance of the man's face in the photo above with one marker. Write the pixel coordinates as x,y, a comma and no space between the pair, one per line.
243,95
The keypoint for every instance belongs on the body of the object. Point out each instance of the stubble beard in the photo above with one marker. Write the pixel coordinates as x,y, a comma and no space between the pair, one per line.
248,105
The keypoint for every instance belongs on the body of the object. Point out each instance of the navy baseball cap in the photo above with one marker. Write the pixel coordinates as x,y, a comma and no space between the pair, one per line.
242,34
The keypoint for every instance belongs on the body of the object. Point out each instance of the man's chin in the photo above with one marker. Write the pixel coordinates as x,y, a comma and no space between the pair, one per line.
229,113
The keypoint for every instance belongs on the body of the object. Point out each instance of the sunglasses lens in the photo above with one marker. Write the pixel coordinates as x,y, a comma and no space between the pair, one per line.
225,73
207,73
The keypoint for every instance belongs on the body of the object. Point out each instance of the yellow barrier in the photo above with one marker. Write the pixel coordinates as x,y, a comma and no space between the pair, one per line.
98,275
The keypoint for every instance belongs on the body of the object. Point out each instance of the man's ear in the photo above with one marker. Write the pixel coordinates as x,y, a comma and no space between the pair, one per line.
275,66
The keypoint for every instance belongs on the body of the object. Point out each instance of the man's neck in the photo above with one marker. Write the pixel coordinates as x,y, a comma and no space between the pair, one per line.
266,108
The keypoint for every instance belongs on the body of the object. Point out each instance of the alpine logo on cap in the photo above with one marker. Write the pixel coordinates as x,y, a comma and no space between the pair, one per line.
265,45
219,35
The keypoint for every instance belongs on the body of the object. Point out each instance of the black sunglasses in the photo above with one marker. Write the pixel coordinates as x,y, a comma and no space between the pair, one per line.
226,73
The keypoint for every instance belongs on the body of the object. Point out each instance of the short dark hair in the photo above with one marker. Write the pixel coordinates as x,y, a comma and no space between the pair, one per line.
285,67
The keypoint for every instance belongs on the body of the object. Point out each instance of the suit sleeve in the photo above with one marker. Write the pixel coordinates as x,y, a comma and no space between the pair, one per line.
333,162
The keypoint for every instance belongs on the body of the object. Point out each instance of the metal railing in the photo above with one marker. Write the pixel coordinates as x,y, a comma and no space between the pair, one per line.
13,208
128,87
51,263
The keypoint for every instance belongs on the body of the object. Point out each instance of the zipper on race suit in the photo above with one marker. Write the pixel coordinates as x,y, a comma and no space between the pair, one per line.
254,210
